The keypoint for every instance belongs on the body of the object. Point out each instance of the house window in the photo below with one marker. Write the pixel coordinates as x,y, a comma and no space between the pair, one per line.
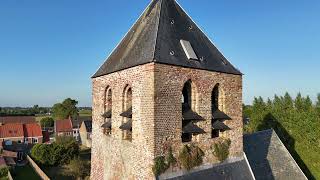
34,140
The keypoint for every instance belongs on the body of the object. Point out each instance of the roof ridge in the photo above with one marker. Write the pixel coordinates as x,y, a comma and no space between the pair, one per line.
158,26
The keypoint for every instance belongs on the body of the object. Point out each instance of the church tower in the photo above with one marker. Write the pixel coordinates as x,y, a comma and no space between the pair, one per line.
164,86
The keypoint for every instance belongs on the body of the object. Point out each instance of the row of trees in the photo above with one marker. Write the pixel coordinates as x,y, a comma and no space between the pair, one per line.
4,111
296,121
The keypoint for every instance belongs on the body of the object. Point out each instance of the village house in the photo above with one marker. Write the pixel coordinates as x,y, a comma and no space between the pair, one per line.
86,133
21,134
64,127
167,86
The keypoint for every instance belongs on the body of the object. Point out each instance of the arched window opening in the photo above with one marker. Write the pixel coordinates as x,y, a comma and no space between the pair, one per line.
127,114
107,126
214,107
186,105
189,117
218,117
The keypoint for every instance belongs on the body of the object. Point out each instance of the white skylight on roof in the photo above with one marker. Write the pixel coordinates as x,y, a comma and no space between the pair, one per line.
188,50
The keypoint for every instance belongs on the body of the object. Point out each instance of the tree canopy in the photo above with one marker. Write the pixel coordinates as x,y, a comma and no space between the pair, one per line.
58,153
68,108
47,122
296,122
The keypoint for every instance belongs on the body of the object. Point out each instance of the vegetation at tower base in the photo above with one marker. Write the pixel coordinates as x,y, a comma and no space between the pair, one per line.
160,166
68,108
190,156
221,150
58,153
297,123
171,160
162,163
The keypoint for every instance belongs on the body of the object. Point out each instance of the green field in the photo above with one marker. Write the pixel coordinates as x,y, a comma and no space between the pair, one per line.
82,113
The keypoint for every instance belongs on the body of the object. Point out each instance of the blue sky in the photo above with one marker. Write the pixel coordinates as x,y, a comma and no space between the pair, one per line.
50,49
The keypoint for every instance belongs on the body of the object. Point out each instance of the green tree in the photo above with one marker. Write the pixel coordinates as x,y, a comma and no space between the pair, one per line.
47,122
78,168
318,104
58,153
68,108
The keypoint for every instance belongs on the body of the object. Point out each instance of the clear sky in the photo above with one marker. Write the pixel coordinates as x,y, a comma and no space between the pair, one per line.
50,49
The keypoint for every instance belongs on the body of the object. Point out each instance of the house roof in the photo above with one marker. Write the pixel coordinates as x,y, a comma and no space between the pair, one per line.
32,130
88,125
64,125
17,119
269,158
11,130
156,37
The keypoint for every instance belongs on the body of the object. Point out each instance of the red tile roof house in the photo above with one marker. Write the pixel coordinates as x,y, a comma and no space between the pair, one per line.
20,133
64,127
32,133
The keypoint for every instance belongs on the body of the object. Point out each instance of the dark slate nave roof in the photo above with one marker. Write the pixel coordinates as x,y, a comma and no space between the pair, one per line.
269,158
156,34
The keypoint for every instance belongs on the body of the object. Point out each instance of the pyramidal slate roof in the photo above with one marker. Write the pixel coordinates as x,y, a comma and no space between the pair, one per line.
156,37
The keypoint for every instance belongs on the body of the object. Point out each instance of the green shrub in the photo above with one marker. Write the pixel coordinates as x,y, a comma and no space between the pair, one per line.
160,166
4,172
58,153
190,156
171,160
221,150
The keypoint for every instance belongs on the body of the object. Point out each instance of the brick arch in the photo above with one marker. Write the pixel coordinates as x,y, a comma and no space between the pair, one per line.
220,101
127,97
107,99
193,93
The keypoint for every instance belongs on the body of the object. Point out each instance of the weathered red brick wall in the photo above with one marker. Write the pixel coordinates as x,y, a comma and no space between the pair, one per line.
113,157
168,110
157,117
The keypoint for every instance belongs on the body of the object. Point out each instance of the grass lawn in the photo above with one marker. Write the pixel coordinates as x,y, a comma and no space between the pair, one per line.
24,172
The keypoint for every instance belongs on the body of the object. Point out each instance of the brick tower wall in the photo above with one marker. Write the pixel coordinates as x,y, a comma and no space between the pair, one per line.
113,157
168,110
157,117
